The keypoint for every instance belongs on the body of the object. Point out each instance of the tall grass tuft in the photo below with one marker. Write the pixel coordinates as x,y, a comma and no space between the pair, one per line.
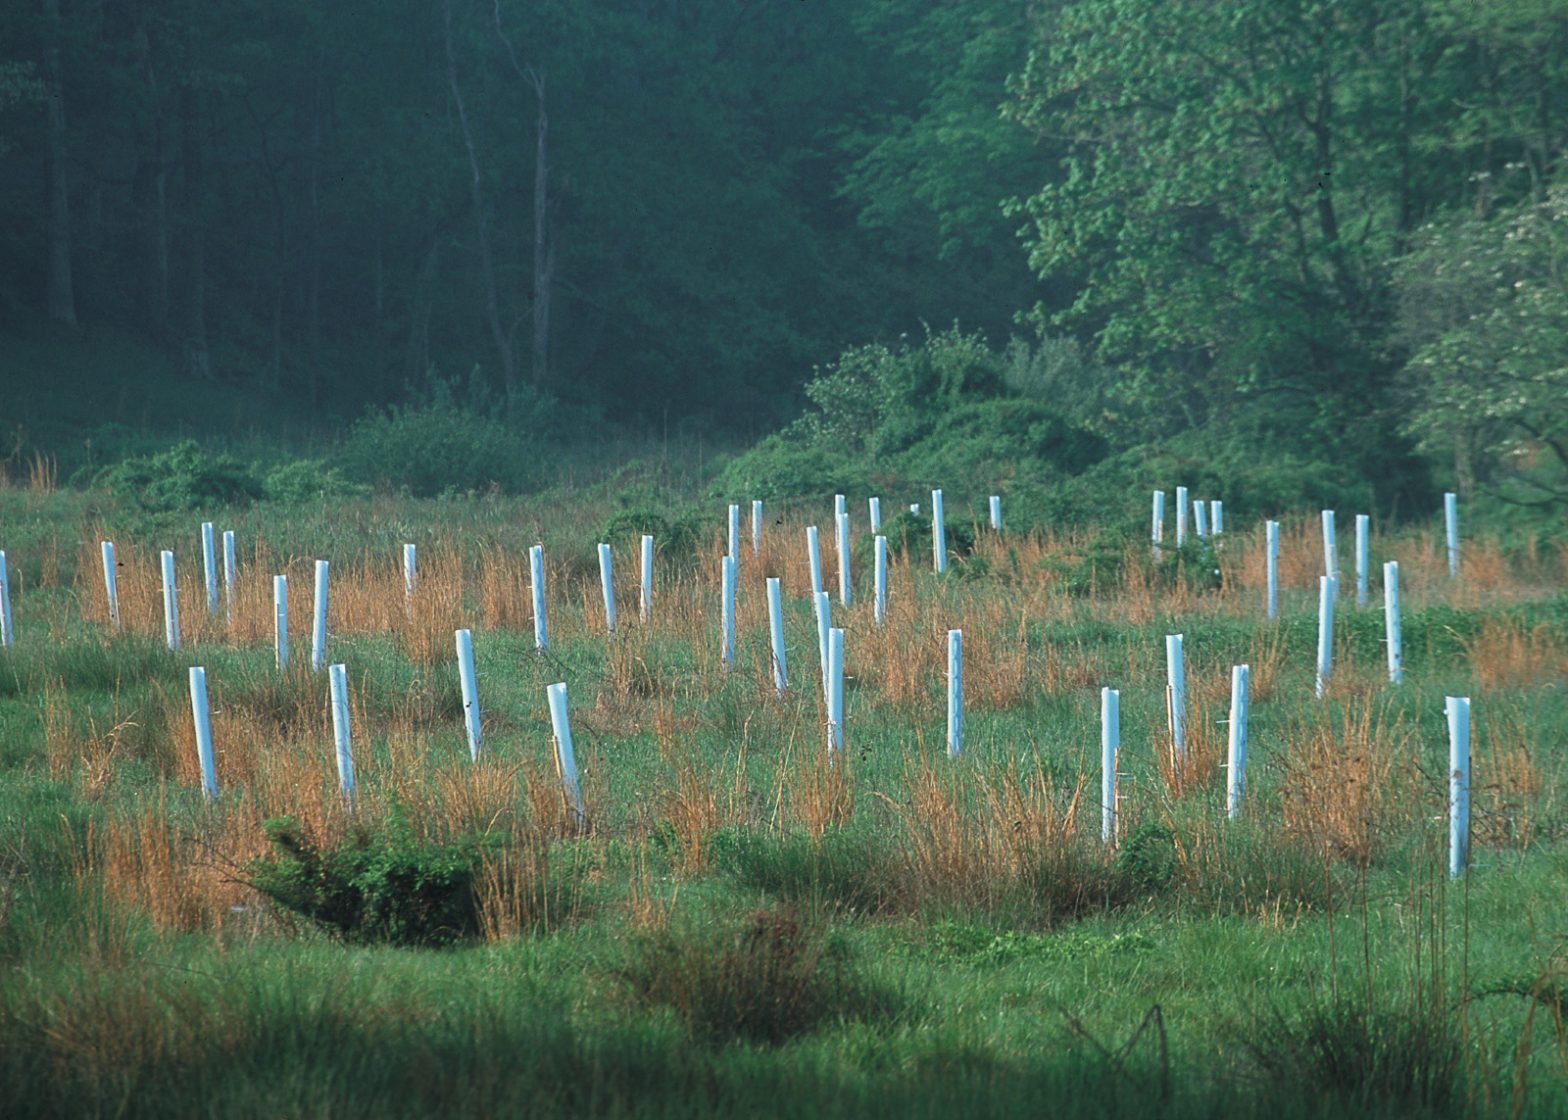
773,978
1347,784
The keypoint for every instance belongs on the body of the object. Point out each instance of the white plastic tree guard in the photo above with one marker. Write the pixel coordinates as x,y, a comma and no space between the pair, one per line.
318,631
111,587
1236,746
880,586
1327,588
1176,697
776,635
938,534
1110,743
280,620
955,693
536,592
1451,532
1271,551
468,681
1458,711
209,566
565,756
607,586
727,613
645,586
202,717
1396,651
337,681
171,602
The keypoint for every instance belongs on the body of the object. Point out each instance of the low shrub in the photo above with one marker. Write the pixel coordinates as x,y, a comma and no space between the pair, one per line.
933,413
375,888
771,979
185,477
679,537
307,480
438,443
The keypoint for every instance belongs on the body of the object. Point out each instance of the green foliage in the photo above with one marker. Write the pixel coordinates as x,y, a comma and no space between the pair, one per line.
1098,564
1147,859
1230,276
930,415
773,979
438,443
906,531
996,439
1483,309
1254,869
672,538
883,400
982,947
306,480
375,888
185,477
783,466
1061,372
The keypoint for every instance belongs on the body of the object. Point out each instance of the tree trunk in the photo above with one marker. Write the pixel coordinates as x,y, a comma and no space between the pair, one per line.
503,341
544,243
544,234
149,198
418,351
62,292
198,357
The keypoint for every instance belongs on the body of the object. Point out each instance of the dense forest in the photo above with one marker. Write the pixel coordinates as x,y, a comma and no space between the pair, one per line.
1322,229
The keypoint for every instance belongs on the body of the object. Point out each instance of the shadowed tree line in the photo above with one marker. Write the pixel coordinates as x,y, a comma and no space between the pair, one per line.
1256,222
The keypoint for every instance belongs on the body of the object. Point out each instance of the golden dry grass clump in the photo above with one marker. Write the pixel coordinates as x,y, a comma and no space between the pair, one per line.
1347,785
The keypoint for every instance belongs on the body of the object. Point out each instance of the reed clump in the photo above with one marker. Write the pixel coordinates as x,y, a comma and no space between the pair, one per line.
1346,784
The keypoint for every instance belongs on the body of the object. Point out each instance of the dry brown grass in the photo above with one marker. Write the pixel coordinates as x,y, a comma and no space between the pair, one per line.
1265,661
1347,785
436,611
816,784
1206,742
690,803
996,645
1510,796
184,880
85,749
1505,654
513,888
647,905
505,599
972,838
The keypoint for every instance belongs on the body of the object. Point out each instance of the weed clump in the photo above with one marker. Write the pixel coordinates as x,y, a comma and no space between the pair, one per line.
772,979
1360,1055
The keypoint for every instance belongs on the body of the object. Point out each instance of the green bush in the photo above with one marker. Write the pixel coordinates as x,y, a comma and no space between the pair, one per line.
906,530
374,888
987,440
933,413
307,480
787,465
673,538
437,443
184,477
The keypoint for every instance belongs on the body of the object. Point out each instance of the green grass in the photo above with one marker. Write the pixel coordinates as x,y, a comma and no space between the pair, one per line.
1203,969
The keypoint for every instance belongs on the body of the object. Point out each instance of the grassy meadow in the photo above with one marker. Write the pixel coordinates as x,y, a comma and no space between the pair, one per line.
745,924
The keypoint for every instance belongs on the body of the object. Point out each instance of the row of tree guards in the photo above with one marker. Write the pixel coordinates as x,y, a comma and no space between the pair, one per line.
1207,518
